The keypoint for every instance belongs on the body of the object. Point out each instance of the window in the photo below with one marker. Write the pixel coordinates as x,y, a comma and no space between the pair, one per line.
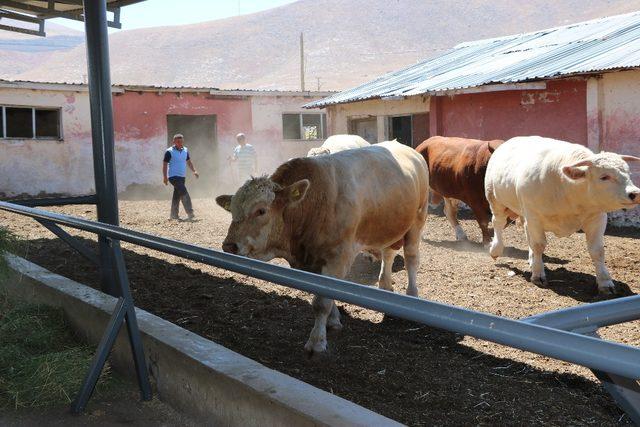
304,126
29,123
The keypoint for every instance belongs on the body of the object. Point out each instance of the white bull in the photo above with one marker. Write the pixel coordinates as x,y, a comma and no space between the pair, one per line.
559,187
337,143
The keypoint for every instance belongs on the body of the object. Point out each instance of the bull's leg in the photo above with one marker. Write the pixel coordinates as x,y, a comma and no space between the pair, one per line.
412,258
324,308
537,243
384,279
594,233
482,216
451,212
499,221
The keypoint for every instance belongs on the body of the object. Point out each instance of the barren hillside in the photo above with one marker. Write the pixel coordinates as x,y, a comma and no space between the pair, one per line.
347,41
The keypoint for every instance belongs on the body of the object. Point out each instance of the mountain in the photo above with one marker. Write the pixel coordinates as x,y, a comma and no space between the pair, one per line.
21,52
347,42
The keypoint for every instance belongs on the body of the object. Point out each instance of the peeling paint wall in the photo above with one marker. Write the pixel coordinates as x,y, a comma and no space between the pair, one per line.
45,166
619,109
140,122
41,167
558,112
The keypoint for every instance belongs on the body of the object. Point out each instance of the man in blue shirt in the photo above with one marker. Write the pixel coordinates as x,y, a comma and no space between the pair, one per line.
174,171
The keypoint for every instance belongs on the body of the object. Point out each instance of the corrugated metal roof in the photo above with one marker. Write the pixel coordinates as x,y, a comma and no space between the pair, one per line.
583,48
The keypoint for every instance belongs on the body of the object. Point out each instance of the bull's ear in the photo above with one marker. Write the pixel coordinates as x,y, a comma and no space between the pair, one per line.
577,170
630,158
296,191
224,202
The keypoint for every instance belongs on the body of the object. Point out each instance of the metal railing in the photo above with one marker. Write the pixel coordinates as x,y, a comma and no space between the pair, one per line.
548,334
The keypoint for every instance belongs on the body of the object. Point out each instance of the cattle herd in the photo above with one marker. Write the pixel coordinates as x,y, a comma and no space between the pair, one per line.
348,196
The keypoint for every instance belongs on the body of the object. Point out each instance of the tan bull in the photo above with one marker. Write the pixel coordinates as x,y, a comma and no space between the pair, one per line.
318,213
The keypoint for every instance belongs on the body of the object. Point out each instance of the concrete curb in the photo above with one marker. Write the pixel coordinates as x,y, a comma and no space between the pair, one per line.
196,376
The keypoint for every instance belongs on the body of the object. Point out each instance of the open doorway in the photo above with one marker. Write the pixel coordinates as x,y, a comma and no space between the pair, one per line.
400,129
200,137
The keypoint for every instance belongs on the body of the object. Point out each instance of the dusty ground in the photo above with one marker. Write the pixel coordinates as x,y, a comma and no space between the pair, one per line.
409,372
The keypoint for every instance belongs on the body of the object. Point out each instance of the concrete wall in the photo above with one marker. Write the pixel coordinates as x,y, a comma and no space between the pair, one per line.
559,111
29,166
202,379
338,115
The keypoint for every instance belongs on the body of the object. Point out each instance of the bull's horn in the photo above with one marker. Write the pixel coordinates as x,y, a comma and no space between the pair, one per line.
627,158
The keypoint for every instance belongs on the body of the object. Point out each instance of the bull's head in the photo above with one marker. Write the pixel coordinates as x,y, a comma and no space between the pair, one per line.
257,222
608,179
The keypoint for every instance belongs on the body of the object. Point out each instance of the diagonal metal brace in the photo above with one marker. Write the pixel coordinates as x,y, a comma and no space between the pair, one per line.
625,391
124,311
76,244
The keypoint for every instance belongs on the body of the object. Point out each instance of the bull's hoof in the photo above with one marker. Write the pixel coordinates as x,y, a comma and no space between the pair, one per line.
495,251
412,292
607,288
461,235
540,281
315,348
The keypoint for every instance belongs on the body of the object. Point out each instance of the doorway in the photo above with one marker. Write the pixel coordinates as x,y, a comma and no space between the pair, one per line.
200,137
400,129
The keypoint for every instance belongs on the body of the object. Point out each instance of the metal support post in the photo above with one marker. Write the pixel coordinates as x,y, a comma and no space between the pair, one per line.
95,14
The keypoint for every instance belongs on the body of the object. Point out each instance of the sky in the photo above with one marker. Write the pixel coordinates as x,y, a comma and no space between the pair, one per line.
155,13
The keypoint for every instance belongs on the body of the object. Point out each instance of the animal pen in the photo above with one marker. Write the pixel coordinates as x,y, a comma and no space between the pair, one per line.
568,334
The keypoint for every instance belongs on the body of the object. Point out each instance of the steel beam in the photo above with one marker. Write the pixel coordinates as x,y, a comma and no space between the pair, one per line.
625,391
56,201
99,359
590,316
135,341
95,13
614,358
71,241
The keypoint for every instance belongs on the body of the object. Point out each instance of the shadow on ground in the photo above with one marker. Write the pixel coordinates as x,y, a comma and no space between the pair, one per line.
410,372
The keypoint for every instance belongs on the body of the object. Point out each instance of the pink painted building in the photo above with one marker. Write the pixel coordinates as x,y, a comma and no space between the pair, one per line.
45,134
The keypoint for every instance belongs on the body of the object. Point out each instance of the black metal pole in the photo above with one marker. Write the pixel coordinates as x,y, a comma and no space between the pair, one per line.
95,23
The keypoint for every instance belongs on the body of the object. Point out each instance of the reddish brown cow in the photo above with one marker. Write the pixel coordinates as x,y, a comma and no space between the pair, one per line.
456,173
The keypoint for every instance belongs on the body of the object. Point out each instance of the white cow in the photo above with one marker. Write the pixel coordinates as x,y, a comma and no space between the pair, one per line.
337,143
559,187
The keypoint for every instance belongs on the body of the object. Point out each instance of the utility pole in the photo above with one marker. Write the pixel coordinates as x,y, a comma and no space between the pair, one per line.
301,62
318,78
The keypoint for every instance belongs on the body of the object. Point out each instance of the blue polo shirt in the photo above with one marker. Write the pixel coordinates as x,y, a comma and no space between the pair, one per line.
177,160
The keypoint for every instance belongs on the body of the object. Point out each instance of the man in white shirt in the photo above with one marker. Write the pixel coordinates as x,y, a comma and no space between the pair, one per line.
244,155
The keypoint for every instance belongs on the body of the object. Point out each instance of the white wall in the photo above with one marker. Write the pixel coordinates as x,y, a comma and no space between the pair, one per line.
273,149
29,166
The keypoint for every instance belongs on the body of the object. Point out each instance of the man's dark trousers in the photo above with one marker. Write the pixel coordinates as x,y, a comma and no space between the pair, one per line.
180,193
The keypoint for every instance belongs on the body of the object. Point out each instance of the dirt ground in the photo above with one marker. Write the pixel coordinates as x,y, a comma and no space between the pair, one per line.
409,372
125,409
